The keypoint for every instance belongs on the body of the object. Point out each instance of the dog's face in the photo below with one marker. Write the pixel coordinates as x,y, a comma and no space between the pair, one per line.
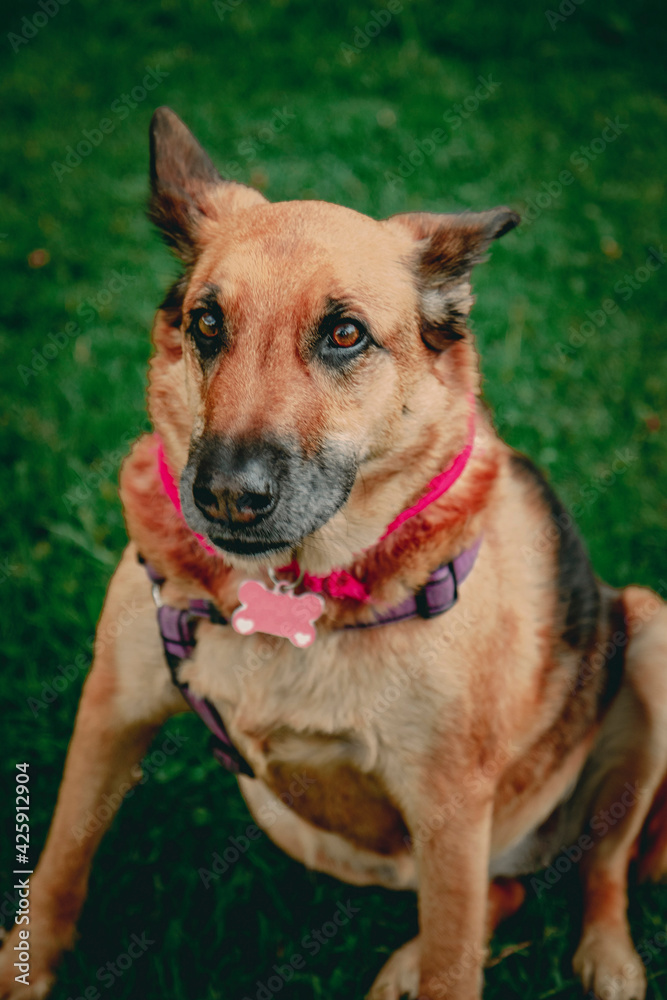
320,355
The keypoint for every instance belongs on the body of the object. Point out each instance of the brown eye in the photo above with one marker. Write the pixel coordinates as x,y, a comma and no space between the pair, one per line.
346,335
208,325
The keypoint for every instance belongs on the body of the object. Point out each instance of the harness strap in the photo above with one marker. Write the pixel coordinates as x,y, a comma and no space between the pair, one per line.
439,593
178,632
178,628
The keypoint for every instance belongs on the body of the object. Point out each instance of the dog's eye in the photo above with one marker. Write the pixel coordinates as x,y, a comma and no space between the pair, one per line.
342,341
208,325
345,335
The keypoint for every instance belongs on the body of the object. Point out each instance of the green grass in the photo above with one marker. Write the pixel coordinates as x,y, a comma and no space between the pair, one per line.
66,427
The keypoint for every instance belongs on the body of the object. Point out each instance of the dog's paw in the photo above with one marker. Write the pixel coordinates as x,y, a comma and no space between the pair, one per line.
37,985
38,981
400,976
607,963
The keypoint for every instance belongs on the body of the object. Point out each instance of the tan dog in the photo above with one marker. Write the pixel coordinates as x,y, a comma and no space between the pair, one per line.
313,373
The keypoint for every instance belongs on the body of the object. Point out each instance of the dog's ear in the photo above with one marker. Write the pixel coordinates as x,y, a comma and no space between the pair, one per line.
446,249
185,186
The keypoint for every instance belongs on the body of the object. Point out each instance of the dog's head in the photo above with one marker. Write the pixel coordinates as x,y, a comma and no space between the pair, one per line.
313,367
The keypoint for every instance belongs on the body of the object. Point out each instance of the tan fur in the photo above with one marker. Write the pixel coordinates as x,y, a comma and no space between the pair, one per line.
492,754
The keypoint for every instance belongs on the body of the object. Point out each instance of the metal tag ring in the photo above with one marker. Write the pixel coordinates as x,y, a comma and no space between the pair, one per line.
285,585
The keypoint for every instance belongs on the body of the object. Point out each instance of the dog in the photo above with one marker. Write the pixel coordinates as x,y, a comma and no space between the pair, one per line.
421,641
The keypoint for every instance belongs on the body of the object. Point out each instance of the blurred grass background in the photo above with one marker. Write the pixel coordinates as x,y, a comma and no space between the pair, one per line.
357,105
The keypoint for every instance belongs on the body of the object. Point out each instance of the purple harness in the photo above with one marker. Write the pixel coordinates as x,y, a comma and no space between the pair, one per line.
178,628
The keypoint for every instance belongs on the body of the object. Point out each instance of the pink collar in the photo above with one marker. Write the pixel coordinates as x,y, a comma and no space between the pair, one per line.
339,583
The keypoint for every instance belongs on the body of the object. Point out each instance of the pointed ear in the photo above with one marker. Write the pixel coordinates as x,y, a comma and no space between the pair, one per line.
446,249
185,186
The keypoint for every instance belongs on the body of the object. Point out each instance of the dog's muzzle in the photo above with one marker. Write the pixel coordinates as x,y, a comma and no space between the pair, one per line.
253,497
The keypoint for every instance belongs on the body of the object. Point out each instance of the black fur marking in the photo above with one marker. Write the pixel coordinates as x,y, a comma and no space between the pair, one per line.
579,593
181,175
511,221
209,297
172,304
439,335
612,643
447,248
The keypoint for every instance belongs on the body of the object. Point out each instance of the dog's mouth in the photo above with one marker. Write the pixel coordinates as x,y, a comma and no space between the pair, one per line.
238,547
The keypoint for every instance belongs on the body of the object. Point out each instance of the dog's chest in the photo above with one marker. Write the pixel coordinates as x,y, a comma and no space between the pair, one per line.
331,721
275,698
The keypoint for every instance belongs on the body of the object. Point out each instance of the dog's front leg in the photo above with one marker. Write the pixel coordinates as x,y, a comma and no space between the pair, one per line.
453,843
114,727
102,765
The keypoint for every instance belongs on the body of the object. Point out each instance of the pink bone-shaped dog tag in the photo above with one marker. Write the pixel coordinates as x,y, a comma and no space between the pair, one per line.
277,612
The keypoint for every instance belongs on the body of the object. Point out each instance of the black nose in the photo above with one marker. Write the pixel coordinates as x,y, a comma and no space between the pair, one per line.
242,494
